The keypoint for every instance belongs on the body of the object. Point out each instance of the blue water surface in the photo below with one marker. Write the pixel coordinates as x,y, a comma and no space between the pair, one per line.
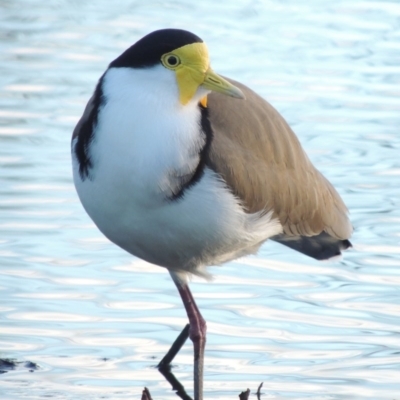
95,319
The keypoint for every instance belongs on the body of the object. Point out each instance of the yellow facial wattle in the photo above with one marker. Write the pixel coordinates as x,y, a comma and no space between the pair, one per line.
192,68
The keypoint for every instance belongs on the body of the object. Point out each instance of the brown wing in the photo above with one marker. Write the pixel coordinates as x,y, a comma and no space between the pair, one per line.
262,161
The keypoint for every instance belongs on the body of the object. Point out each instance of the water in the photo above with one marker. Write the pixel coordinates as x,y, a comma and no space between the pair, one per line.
94,319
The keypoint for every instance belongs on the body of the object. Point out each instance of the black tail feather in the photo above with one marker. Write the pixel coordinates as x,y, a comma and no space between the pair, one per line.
320,247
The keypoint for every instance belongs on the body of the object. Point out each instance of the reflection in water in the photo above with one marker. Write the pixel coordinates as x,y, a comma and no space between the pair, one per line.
97,321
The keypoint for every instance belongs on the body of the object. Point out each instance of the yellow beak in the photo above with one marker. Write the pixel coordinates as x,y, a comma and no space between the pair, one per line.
216,83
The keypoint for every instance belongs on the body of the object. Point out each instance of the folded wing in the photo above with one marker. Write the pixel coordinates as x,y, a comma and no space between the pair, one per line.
260,158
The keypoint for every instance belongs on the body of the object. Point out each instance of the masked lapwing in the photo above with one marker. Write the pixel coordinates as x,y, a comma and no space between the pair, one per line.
186,169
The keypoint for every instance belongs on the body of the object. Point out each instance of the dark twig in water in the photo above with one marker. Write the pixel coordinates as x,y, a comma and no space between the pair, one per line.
244,395
146,394
10,364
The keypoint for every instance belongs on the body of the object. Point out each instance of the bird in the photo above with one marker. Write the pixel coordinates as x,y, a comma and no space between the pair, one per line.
186,169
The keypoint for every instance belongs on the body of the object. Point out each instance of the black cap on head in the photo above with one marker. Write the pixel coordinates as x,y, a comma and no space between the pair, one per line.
148,50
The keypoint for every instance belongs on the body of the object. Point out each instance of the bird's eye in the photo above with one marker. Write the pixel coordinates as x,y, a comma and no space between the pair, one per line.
170,61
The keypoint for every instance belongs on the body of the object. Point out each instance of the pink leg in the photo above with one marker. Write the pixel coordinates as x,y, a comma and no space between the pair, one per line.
197,334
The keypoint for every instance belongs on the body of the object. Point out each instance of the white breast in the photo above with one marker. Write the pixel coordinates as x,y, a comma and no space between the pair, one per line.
143,135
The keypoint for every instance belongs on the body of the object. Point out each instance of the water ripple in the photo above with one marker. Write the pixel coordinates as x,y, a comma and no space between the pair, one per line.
96,320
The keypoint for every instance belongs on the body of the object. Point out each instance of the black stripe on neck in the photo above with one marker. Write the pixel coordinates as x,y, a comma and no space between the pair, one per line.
203,154
86,134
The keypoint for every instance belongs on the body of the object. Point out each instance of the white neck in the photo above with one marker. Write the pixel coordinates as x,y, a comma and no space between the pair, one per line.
144,128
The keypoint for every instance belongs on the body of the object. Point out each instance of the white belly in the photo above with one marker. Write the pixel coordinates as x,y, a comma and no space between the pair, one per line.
207,226
135,148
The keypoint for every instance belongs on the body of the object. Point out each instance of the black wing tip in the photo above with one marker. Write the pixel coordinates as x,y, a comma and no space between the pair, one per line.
321,247
331,249
346,244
